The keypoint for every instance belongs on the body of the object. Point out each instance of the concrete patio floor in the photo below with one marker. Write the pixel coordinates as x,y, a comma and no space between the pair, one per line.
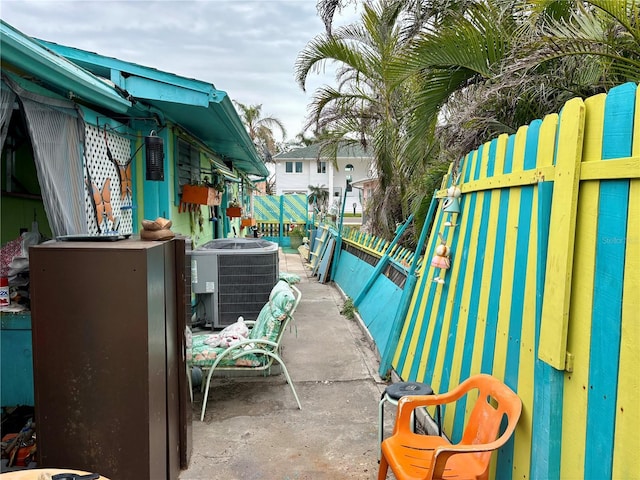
253,428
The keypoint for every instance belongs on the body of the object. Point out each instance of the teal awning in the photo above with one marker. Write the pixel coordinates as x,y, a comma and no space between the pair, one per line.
222,169
198,107
29,59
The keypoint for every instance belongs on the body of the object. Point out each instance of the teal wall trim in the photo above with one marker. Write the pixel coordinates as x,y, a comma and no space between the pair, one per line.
17,363
156,193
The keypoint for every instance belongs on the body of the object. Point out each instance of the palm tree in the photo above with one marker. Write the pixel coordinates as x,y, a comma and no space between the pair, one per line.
458,72
270,186
505,63
319,197
365,108
450,56
261,129
604,32
327,9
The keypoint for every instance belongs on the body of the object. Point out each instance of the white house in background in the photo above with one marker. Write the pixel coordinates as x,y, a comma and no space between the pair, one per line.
297,169
366,186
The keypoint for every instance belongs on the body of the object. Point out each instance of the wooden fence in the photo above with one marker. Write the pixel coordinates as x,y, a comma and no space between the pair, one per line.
543,290
276,215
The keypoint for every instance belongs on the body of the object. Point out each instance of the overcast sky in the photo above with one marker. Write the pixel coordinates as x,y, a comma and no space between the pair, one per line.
245,47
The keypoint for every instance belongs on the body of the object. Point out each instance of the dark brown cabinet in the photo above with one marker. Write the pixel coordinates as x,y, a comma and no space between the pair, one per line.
109,372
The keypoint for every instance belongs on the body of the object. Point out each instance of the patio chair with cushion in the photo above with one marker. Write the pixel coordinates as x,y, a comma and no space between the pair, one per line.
250,345
415,456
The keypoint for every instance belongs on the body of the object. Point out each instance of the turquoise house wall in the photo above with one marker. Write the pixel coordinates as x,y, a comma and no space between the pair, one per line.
17,360
157,199
199,225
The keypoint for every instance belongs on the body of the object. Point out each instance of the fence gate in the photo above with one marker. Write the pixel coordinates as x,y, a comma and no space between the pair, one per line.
275,214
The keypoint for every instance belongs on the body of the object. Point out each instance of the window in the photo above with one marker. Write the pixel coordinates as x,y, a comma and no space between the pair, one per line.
348,168
322,167
289,166
188,166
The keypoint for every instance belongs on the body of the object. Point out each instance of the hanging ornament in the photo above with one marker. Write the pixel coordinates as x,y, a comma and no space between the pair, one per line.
441,259
451,204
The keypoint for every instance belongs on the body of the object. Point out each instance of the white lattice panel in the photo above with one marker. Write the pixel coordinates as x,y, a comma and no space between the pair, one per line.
108,184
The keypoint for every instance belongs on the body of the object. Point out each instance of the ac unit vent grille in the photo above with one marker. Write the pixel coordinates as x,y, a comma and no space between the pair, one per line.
244,284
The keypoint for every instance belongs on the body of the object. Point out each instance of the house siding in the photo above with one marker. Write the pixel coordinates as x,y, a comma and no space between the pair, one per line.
334,179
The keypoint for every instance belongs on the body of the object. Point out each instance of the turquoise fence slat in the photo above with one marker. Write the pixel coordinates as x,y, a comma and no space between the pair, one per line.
610,257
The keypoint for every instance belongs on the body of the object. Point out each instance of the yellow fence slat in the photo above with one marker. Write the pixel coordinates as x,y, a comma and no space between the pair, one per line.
526,365
466,286
508,269
557,293
417,303
611,169
579,334
487,269
626,461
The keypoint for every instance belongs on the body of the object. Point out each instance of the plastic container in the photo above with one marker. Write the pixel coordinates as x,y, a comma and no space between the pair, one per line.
5,301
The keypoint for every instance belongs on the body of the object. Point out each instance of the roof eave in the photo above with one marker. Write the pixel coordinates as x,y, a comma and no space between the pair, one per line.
247,144
178,90
63,76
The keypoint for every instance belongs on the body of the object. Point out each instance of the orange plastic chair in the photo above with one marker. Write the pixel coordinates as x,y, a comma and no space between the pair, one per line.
414,456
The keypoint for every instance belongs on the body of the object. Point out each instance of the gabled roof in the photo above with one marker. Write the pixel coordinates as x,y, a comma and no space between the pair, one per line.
29,59
311,153
197,106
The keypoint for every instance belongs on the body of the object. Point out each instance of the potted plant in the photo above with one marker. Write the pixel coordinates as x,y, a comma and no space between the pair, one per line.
296,235
234,209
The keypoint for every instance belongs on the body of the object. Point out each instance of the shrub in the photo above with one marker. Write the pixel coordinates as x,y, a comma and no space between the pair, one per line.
349,309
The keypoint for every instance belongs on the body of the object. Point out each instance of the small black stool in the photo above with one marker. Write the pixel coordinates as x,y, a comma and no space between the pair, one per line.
394,392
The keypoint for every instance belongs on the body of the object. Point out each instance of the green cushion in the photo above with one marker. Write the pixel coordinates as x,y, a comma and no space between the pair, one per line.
278,308
267,327
204,355
290,278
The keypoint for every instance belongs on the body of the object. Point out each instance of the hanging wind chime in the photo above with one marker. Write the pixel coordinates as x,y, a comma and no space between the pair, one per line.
451,204
441,259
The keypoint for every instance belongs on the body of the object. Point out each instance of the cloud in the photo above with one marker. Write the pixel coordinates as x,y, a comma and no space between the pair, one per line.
247,48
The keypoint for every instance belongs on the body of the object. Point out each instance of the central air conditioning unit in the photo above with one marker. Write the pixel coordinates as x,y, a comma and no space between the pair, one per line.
233,277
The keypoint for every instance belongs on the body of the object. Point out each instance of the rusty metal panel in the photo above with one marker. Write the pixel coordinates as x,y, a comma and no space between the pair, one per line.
100,356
